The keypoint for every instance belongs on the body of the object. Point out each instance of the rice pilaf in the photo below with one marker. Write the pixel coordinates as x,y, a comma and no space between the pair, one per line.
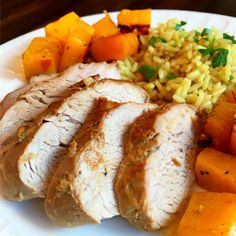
175,65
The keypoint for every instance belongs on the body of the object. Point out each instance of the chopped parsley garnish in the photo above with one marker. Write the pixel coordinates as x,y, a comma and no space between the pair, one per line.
205,32
178,26
197,33
171,76
207,51
148,72
155,39
220,58
231,77
226,36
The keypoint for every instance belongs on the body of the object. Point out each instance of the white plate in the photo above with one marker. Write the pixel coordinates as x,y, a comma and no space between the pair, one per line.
28,218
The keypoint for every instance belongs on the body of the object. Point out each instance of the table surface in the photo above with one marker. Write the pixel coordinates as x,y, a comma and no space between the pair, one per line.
21,16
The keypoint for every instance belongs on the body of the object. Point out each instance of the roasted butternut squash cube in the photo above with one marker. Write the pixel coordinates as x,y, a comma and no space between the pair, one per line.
134,17
105,28
232,147
219,125
216,171
114,47
209,214
42,56
75,48
61,28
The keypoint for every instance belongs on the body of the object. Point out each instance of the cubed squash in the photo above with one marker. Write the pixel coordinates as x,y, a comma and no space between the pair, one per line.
219,125
209,214
75,48
232,147
216,171
114,47
229,95
42,56
61,28
134,17
105,28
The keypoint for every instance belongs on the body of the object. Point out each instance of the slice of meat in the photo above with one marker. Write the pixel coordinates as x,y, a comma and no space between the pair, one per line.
29,165
156,173
81,191
39,95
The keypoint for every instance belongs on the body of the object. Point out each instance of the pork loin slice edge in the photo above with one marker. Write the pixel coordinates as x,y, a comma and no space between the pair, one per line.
96,152
28,166
156,173
36,97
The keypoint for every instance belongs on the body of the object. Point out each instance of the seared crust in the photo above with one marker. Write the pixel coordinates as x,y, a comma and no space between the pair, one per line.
62,203
135,181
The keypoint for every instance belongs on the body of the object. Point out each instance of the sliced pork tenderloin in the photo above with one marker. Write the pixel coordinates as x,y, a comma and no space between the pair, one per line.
81,191
36,97
156,173
38,148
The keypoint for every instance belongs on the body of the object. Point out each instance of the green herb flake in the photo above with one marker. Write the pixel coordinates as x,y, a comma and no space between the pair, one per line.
196,40
226,36
207,51
197,33
178,26
148,72
220,58
155,39
231,77
205,32
171,76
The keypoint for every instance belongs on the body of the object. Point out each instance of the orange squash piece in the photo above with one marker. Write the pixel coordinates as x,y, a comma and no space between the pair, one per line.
61,28
232,147
75,49
219,125
209,214
105,28
114,47
216,171
134,17
42,57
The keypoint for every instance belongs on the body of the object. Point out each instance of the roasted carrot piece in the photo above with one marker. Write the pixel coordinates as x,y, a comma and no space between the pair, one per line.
75,48
42,56
209,214
134,17
219,125
105,28
216,171
114,47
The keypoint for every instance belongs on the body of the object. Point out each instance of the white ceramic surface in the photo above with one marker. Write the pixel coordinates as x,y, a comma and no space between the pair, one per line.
28,218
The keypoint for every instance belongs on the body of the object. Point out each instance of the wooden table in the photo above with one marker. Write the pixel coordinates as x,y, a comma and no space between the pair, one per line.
21,16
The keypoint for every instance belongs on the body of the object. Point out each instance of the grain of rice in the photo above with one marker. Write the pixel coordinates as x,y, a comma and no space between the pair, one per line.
196,82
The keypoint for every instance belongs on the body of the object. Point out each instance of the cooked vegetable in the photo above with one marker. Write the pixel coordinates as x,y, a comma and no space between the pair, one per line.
179,25
233,138
75,48
219,125
216,171
105,28
41,57
229,37
220,59
114,47
229,95
154,40
61,28
148,72
209,214
134,17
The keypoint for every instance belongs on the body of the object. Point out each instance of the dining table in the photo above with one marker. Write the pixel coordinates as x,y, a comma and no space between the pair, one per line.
21,16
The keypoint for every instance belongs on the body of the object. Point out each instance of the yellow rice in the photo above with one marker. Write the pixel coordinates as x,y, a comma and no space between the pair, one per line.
197,82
